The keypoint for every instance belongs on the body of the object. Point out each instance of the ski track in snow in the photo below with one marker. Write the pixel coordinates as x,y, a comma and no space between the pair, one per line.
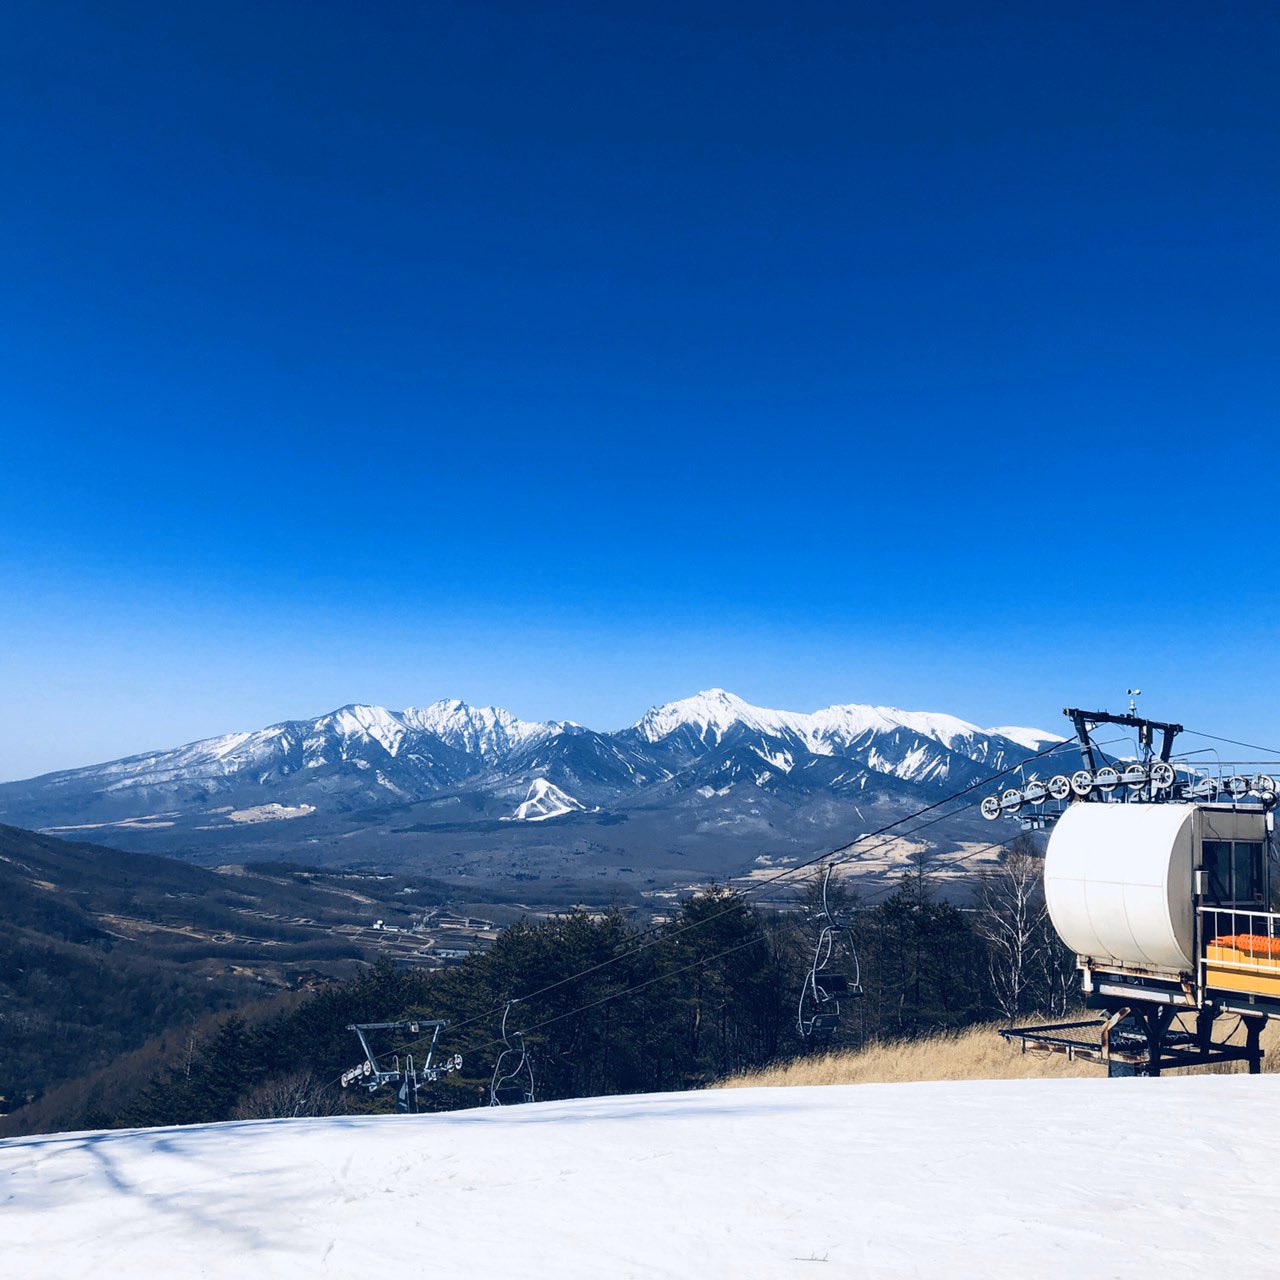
1074,1178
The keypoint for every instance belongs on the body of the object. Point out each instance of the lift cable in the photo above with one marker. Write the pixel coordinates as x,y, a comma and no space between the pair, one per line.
719,955
841,853
863,853
843,849
693,964
906,835
754,940
502,1042
944,860
1252,746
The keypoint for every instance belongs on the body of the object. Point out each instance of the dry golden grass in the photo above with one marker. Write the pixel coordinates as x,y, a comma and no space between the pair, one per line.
976,1053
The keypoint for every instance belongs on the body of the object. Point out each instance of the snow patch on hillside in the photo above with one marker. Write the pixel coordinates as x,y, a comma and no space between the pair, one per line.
546,800
270,813
1045,1178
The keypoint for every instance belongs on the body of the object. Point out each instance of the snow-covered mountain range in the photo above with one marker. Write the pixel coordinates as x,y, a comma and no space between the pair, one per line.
709,762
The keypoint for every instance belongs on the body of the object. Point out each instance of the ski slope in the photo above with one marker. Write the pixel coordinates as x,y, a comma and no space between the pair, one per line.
1170,1177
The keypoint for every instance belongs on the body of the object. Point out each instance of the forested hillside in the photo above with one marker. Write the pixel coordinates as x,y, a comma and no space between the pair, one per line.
101,949
607,1009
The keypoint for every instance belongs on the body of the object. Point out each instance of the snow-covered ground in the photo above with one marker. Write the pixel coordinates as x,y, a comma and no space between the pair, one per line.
1080,1178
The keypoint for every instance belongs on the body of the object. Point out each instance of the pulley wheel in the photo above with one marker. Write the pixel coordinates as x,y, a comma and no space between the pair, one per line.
1059,787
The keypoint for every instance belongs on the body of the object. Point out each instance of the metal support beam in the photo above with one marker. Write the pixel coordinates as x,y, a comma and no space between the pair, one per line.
1142,1043
372,1074
1083,720
1252,1036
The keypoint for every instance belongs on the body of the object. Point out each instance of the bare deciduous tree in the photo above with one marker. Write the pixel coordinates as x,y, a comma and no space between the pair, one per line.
1012,919
301,1093
1057,980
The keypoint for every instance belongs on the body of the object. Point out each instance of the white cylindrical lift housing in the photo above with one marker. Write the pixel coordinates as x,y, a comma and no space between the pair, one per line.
1119,879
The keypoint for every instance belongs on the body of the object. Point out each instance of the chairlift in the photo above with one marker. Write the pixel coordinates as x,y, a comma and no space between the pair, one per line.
512,1082
828,980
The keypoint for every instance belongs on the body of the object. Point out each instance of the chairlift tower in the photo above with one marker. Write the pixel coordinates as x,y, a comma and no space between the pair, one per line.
406,1078
1157,877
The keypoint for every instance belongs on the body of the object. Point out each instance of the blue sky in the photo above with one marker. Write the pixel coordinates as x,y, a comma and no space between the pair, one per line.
578,357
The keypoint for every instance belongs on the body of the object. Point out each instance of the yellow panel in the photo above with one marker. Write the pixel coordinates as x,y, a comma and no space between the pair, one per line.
1261,984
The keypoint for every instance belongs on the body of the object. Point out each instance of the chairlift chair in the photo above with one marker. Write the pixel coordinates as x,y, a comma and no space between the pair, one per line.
512,1082
828,982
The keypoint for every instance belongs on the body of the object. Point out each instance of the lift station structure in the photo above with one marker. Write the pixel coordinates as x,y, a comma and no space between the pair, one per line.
1158,876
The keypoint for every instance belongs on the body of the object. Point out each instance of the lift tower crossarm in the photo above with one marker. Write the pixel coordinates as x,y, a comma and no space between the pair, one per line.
1146,731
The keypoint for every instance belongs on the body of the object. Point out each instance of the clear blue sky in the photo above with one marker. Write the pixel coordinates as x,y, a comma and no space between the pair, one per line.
578,357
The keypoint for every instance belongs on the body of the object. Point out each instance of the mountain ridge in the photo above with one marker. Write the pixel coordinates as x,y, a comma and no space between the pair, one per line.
492,730
710,772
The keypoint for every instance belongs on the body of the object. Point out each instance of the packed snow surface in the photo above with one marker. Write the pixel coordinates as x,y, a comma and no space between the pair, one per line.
1098,1178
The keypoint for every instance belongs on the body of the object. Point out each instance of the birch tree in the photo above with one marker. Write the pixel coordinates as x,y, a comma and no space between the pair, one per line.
1012,919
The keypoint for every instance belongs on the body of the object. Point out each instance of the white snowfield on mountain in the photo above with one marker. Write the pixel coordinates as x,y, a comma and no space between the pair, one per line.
1168,1177
546,800
270,813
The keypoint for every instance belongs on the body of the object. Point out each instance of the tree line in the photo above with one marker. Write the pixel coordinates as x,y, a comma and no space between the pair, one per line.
711,992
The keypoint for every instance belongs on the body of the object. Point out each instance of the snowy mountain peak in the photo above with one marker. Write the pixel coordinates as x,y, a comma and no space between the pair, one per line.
709,714
843,724
1032,739
484,731
361,756
363,723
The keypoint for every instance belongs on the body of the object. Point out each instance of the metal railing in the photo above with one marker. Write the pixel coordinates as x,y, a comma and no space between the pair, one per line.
1252,937
1205,777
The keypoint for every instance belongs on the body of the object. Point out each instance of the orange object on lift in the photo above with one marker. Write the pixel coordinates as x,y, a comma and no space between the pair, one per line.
1255,944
